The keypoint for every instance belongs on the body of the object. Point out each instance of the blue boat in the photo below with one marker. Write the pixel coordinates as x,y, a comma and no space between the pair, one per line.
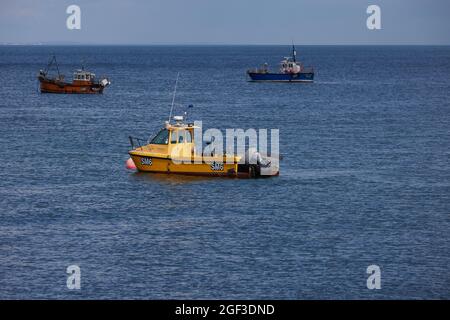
290,71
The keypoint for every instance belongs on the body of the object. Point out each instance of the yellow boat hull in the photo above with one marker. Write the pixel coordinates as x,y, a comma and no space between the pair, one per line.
149,163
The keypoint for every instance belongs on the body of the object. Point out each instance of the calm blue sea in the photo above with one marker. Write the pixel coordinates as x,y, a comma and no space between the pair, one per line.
365,177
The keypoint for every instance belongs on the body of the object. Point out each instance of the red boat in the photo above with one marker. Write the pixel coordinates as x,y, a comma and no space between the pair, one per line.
83,81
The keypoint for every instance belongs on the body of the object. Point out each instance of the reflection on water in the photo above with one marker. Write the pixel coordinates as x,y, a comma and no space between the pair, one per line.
171,178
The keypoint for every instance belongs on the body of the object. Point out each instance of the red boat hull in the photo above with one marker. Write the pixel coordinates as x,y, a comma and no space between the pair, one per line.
54,86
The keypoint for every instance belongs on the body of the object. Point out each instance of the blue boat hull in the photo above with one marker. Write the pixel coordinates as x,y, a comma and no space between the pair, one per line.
282,77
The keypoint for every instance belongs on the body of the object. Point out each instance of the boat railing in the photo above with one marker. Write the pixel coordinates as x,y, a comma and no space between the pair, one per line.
259,70
137,142
262,69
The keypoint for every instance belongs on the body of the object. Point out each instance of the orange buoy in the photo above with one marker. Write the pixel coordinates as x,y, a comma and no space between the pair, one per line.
130,164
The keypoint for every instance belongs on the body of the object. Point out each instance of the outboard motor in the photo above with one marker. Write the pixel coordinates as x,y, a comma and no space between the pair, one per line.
253,163
254,157
105,82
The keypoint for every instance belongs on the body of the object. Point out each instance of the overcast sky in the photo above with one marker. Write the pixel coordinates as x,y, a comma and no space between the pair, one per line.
225,22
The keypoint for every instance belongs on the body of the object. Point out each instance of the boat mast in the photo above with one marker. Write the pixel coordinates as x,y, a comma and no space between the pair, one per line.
56,64
50,64
294,52
173,97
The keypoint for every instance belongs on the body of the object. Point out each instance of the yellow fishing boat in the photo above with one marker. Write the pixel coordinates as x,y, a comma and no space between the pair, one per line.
172,150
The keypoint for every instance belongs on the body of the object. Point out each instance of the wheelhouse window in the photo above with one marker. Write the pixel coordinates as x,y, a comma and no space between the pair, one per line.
173,136
161,138
181,136
188,136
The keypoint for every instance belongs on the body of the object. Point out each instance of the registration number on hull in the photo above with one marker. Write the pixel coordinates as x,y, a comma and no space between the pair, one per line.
216,166
145,161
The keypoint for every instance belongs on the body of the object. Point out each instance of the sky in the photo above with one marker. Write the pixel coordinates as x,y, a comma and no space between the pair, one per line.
306,22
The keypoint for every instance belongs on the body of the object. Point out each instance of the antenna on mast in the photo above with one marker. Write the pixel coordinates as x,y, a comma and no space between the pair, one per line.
173,97
294,52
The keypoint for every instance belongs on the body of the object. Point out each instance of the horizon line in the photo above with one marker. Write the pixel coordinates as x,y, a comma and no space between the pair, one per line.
57,43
